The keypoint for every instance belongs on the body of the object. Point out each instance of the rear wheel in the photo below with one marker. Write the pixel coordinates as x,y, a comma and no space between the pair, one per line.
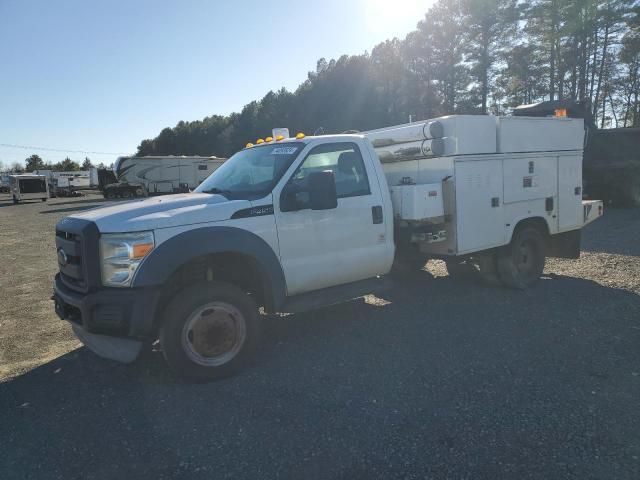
521,262
126,194
209,330
139,192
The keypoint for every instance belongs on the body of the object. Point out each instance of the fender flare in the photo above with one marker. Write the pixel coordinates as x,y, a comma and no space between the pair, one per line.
167,257
518,220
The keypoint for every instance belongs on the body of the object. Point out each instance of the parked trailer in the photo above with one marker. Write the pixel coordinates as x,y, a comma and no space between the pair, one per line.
66,184
28,187
157,175
297,223
5,184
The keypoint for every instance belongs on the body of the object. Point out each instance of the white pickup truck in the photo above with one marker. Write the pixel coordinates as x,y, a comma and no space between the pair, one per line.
291,224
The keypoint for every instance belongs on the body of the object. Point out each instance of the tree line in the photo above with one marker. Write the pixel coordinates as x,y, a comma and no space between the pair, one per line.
465,56
35,162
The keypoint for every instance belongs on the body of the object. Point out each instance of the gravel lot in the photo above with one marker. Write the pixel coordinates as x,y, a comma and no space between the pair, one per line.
437,379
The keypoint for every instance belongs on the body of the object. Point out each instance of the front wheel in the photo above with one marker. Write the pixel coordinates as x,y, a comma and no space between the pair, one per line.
209,331
521,262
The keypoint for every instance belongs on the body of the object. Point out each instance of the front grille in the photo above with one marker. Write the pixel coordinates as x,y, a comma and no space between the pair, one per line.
70,260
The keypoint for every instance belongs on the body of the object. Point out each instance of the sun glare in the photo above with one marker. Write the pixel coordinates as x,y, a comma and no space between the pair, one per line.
394,18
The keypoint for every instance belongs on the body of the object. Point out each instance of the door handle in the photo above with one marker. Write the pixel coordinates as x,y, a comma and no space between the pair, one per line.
376,214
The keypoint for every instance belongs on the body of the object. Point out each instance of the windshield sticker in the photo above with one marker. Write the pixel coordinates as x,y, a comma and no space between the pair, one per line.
284,150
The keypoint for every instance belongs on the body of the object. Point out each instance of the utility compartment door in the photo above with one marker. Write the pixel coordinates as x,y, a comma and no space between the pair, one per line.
529,178
479,200
569,192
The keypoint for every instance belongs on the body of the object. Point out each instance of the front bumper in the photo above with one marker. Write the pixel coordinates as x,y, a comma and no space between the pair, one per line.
108,320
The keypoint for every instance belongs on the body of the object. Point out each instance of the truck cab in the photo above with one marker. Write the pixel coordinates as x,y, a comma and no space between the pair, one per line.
276,221
290,224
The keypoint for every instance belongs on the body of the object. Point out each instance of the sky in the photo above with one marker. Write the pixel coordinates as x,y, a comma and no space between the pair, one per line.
101,76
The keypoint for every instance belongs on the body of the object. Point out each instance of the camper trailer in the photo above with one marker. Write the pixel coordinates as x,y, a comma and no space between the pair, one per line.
157,175
65,184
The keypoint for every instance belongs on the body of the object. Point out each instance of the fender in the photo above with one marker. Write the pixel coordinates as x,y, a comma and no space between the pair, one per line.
517,220
171,254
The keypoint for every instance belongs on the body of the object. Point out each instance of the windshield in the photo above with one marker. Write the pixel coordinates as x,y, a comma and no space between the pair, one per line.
251,173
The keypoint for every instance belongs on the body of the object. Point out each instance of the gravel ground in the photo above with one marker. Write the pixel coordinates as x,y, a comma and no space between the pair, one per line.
436,379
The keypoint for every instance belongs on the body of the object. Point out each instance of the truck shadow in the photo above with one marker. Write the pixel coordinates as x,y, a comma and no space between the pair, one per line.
416,301
424,330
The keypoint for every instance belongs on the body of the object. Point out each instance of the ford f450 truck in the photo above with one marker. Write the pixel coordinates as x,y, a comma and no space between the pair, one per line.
290,224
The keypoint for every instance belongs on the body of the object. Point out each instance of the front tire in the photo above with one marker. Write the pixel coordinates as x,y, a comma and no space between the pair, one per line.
209,331
521,262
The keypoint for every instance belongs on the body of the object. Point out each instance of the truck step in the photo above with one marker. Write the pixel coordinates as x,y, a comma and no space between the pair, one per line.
334,295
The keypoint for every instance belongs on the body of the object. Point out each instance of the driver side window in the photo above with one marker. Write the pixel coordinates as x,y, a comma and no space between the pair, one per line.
343,159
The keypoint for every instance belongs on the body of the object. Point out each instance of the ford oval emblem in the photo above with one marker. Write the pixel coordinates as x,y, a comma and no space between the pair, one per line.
62,257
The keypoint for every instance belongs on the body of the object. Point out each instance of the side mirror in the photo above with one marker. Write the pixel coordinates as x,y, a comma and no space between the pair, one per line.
322,191
288,201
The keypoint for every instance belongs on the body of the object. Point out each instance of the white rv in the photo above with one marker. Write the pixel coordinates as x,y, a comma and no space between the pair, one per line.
28,187
154,175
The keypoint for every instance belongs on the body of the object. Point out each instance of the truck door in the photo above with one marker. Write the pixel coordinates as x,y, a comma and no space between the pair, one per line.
322,248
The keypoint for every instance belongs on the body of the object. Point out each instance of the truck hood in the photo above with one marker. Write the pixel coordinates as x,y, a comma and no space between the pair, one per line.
162,212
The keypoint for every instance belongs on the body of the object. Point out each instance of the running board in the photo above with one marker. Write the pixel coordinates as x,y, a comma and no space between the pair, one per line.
333,295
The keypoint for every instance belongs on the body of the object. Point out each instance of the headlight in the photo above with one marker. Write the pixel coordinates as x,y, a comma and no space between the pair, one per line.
120,255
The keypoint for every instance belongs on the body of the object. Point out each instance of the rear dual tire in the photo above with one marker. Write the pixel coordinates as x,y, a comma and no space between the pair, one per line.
518,265
521,263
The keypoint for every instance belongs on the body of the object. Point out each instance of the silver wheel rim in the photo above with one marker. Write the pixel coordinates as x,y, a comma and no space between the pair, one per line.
214,334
